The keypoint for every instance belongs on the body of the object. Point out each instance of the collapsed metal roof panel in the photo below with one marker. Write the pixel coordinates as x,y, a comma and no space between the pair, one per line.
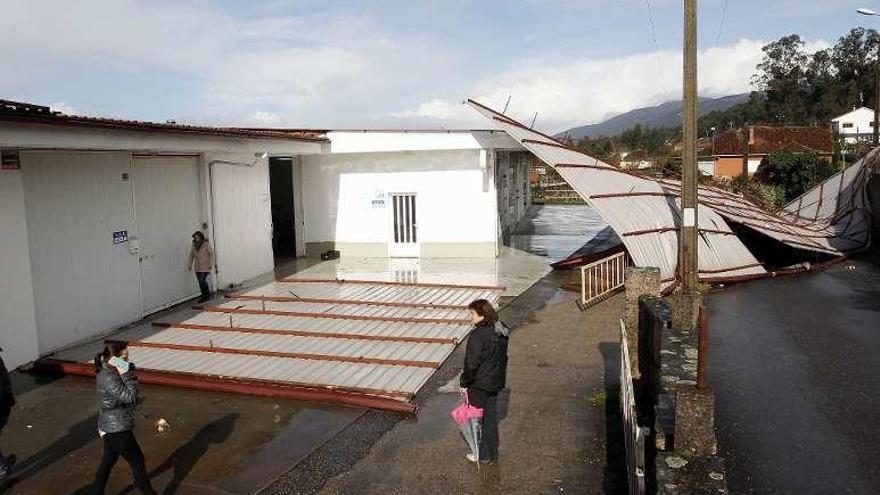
645,212
363,342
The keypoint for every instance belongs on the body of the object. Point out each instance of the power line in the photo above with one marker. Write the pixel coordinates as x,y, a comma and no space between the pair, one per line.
723,19
651,20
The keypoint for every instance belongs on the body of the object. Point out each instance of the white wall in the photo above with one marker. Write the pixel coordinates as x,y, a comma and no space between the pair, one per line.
379,141
298,219
242,218
454,201
18,326
854,123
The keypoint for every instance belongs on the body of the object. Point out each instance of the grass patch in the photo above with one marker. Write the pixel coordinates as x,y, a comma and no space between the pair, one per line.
598,399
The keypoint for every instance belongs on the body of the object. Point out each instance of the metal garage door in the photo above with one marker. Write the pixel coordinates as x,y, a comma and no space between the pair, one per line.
167,212
84,281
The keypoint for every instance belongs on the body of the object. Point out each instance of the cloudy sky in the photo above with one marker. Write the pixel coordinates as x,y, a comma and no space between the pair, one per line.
385,63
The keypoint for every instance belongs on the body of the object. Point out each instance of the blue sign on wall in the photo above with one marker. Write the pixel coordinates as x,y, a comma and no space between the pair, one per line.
120,236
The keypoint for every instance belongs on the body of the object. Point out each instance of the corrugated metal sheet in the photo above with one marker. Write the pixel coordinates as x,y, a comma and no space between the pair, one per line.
396,381
637,208
350,344
645,212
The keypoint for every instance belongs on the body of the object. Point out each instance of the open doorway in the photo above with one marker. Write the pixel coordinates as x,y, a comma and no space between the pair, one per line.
283,216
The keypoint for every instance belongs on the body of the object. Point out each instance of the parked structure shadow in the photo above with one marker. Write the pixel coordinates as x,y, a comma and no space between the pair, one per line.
183,460
77,436
615,447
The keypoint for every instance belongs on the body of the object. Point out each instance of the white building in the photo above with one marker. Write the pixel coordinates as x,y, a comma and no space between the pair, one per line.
96,214
96,217
855,126
415,193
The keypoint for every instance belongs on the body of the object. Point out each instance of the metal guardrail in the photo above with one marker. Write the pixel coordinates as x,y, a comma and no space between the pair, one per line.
602,278
634,435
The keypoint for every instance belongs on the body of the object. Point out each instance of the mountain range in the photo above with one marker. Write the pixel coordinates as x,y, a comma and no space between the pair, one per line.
664,115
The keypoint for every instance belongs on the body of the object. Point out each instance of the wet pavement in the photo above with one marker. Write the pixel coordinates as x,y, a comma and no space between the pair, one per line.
558,231
794,365
217,443
561,377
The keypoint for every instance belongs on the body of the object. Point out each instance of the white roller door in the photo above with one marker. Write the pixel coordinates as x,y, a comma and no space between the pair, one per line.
167,212
242,221
84,283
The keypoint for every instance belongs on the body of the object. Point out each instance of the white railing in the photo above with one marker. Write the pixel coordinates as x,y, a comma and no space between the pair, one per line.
602,278
634,435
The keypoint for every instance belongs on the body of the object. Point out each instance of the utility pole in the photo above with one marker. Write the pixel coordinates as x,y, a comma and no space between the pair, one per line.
744,175
877,103
689,224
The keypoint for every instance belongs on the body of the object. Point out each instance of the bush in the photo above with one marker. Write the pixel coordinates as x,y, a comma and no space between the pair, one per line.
770,196
795,173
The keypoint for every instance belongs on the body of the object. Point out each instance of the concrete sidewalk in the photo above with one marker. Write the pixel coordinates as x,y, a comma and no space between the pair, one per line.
553,438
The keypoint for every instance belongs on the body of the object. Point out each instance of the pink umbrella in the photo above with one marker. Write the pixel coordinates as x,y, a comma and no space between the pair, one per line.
468,419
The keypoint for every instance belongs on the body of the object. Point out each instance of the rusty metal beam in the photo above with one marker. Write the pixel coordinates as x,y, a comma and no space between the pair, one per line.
363,302
264,388
631,194
386,282
306,333
279,354
335,316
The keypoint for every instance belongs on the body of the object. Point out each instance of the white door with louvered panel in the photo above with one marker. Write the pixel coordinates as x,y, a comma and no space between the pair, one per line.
404,241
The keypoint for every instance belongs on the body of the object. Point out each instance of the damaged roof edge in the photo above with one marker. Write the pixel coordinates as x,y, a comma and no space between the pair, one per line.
638,203
25,113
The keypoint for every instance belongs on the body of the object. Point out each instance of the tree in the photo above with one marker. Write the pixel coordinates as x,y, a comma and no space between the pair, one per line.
795,87
795,173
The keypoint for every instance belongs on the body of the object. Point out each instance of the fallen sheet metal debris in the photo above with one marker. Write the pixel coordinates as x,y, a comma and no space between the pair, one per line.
833,219
364,343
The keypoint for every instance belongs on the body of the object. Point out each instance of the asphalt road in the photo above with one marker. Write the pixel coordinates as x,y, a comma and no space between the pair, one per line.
795,364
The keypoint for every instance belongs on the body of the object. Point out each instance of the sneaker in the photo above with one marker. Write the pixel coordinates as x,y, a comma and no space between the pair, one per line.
472,458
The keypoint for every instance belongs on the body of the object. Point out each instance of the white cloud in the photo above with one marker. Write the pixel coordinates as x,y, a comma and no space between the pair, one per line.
568,92
313,64
341,69
267,118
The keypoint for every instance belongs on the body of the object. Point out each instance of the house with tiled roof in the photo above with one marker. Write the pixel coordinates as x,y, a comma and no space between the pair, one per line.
758,141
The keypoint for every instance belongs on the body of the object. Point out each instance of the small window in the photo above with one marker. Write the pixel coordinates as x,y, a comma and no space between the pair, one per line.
848,125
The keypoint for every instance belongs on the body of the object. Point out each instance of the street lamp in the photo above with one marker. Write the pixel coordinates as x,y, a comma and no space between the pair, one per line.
876,125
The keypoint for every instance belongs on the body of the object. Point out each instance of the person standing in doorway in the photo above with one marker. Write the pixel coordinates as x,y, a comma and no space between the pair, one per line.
483,376
7,400
117,387
201,260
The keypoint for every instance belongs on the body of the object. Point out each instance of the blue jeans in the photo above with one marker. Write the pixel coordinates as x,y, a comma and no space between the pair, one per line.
203,285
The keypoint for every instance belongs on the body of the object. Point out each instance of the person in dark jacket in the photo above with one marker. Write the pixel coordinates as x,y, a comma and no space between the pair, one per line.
117,388
484,373
7,400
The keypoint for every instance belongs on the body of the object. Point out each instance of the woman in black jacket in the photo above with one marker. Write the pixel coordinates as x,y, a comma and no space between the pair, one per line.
117,398
7,400
484,373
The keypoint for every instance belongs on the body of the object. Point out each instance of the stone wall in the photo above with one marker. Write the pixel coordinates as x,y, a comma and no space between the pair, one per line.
682,449
639,281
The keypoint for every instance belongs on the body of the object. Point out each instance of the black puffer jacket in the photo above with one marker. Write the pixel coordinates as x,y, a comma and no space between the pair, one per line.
7,399
485,361
117,398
